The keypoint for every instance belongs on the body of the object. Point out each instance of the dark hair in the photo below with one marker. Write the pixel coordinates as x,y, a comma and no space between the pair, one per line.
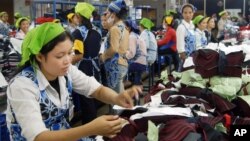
47,48
71,19
86,22
187,5
21,23
132,29
122,13
196,25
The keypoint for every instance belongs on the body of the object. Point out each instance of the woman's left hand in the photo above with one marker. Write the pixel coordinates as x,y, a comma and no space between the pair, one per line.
124,99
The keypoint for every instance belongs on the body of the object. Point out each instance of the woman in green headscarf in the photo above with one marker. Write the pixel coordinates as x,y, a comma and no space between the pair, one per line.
148,37
87,44
39,97
22,25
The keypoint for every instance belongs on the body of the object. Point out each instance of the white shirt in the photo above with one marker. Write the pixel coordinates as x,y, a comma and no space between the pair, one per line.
144,36
20,35
181,33
23,96
198,36
133,42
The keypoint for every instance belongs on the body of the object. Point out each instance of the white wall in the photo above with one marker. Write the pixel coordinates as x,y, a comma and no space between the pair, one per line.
159,4
19,6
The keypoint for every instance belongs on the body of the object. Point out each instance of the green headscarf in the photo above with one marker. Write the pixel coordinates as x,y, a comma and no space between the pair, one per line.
2,13
147,23
84,9
37,38
17,15
198,19
18,22
170,12
222,13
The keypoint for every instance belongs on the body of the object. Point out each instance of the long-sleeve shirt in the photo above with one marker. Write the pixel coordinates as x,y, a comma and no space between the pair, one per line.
168,39
119,43
221,27
181,33
23,95
135,42
20,35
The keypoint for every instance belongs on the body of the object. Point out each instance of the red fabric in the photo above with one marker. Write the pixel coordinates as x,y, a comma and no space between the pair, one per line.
170,35
206,62
42,20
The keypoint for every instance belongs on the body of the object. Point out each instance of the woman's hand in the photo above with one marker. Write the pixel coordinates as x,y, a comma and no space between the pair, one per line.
125,98
183,56
107,125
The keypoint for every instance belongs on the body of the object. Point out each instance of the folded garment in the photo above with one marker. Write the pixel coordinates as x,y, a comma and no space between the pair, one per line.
206,62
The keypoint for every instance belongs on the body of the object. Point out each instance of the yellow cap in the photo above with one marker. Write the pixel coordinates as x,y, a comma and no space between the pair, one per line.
70,15
169,20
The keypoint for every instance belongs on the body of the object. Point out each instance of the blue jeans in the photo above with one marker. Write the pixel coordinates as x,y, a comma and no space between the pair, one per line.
122,73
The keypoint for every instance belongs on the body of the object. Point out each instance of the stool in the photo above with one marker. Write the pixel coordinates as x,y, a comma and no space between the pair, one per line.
169,61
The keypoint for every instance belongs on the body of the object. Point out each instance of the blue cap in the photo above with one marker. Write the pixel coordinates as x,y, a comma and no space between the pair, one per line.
117,5
132,24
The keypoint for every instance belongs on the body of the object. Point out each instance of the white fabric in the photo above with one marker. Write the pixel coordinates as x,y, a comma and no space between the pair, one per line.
164,110
3,82
17,44
181,34
23,96
213,46
230,49
188,62
134,40
20,35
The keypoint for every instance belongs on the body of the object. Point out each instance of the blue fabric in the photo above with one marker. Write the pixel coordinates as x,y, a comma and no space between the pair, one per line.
4,134
166,46
189,42
117,5
121,75
112,72
204,41
84,31
135,72
222,62
111,64
4,29
51,120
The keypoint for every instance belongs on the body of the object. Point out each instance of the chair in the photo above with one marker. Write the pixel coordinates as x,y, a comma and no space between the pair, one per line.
150,70
166,58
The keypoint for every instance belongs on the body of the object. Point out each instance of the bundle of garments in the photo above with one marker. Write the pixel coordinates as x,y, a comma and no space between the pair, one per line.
230,31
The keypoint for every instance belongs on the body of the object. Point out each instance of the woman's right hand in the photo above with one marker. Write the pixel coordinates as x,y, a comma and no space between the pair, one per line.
183,56
107,125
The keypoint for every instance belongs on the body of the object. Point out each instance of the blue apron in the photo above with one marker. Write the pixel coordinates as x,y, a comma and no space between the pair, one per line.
189,42
54,118
111,64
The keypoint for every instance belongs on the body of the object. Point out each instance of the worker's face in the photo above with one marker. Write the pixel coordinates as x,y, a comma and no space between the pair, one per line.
25,26
104,21
188,14
211,23
225,16
5,17
110,18
75,20
202,25
57,61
